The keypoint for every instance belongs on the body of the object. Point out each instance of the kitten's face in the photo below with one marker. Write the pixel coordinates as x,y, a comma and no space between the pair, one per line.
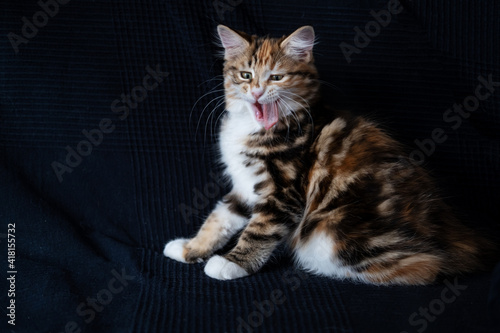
272,79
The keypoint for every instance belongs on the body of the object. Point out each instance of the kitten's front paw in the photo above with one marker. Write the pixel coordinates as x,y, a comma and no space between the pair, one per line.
186,251
176,249
222,269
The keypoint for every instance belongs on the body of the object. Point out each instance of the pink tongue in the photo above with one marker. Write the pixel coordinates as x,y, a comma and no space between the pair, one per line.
269,115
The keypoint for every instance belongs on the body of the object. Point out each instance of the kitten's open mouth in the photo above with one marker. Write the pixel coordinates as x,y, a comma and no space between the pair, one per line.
266,114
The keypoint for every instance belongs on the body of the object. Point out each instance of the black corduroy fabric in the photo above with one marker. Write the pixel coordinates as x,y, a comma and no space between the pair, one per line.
89,243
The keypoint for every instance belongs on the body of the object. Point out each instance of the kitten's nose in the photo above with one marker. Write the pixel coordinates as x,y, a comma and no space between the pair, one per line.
257,94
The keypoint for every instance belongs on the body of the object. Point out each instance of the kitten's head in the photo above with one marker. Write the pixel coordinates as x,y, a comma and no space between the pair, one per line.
273,79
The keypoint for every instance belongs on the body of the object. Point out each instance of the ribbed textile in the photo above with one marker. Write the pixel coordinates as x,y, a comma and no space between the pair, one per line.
108,130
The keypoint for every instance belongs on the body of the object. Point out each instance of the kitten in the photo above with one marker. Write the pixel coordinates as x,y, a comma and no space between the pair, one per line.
335,187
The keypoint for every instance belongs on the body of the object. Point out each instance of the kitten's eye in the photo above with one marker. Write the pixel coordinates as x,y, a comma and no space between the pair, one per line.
246,75
276,77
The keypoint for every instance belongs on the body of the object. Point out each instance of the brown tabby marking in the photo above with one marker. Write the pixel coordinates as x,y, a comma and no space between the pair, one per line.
329,184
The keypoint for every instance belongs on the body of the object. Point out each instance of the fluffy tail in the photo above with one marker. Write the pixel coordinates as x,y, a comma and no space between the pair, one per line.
470,251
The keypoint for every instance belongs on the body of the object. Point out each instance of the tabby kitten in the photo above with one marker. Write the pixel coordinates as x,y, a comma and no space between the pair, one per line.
335,187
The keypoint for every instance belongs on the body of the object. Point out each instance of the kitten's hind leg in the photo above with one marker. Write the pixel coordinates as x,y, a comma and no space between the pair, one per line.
229,216
322,255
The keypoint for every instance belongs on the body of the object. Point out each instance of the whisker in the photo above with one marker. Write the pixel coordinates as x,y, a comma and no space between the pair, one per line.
218,118
292,113
206,125
212,91
306,109
219,104
217,77
328,84
285,117
302,98
211,116
203,111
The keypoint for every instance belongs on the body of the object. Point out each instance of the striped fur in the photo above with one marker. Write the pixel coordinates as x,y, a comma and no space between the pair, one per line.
336,188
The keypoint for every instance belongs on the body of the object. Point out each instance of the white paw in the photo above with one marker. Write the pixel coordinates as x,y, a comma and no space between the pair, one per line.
222,269
175,249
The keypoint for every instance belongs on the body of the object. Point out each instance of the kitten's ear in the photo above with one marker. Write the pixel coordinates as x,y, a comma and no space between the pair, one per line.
234,44
299,45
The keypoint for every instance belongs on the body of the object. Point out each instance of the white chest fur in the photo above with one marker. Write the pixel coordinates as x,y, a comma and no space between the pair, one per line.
234,132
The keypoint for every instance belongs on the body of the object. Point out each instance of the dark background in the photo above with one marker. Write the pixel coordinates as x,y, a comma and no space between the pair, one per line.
151,179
